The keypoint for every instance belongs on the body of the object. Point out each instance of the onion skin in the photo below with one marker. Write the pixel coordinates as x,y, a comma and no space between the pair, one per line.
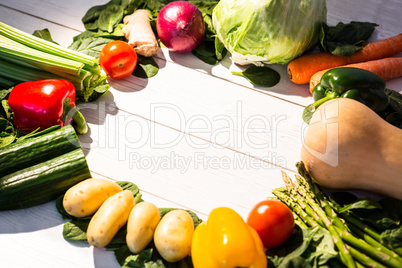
180,26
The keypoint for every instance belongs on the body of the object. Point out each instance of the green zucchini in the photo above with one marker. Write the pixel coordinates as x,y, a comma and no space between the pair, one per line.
43,182
34,150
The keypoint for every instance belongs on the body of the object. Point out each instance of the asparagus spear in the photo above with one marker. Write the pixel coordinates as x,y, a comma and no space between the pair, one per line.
366,243
345,255
283,195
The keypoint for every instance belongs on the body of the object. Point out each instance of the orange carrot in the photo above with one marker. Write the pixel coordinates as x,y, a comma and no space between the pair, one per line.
302,68
386,68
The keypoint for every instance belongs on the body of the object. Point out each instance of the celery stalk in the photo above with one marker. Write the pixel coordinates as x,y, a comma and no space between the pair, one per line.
24,57
15,50
44,45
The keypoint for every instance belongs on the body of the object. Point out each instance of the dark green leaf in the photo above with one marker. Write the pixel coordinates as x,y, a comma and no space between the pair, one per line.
345,39
7,132
393,237
146,67
127,185
205,6
44,34
373,212
75,230
94,12
6,110
312,247
395,100
110,17
260,76
91,45
4,107
116,34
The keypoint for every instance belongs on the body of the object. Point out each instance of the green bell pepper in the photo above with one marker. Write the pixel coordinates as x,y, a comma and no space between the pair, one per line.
358,84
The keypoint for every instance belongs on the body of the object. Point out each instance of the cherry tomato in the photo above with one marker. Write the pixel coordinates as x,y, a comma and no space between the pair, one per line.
118,59
273,221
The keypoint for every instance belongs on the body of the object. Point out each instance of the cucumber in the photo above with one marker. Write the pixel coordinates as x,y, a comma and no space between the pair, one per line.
35,150
43,182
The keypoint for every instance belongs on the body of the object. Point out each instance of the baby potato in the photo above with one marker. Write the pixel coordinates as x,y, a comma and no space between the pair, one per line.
85,198
174,234
110,217
143,219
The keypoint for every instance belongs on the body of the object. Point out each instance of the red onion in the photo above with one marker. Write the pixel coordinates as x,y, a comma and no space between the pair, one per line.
180,26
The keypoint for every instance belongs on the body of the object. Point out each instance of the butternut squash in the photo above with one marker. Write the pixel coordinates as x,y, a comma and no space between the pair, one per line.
348,146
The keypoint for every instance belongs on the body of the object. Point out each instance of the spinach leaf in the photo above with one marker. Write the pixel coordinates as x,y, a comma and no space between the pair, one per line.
7,132
148,258
211,50
110,17
44,34
88,44
127,185
393,237
260,76
307,247
91,17
75,230
395,100
345,39
372,212
5,110
146,67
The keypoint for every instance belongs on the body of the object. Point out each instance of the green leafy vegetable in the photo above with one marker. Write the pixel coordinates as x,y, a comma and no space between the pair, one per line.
75,230
307,247
395,99
268,31
260,76
211,50
149,257
89,44
146,67
110,17
345,39
44,34
7,132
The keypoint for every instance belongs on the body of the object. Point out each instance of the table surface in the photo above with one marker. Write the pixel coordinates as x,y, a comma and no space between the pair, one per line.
194,136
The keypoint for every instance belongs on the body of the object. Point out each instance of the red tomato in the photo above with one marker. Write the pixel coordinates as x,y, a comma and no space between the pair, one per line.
118,59
273,221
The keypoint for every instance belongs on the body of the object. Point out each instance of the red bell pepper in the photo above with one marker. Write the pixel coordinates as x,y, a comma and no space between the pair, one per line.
45,103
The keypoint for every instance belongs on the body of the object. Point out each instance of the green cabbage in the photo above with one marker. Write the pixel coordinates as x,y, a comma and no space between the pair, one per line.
268,31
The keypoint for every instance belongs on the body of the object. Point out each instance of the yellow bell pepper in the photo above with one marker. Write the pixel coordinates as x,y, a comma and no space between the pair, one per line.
225,240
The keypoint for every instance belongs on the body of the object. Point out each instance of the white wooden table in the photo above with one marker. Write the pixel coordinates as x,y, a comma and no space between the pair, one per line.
194,136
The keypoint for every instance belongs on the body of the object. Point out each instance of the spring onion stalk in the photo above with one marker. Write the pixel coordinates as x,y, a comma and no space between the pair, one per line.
24,57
